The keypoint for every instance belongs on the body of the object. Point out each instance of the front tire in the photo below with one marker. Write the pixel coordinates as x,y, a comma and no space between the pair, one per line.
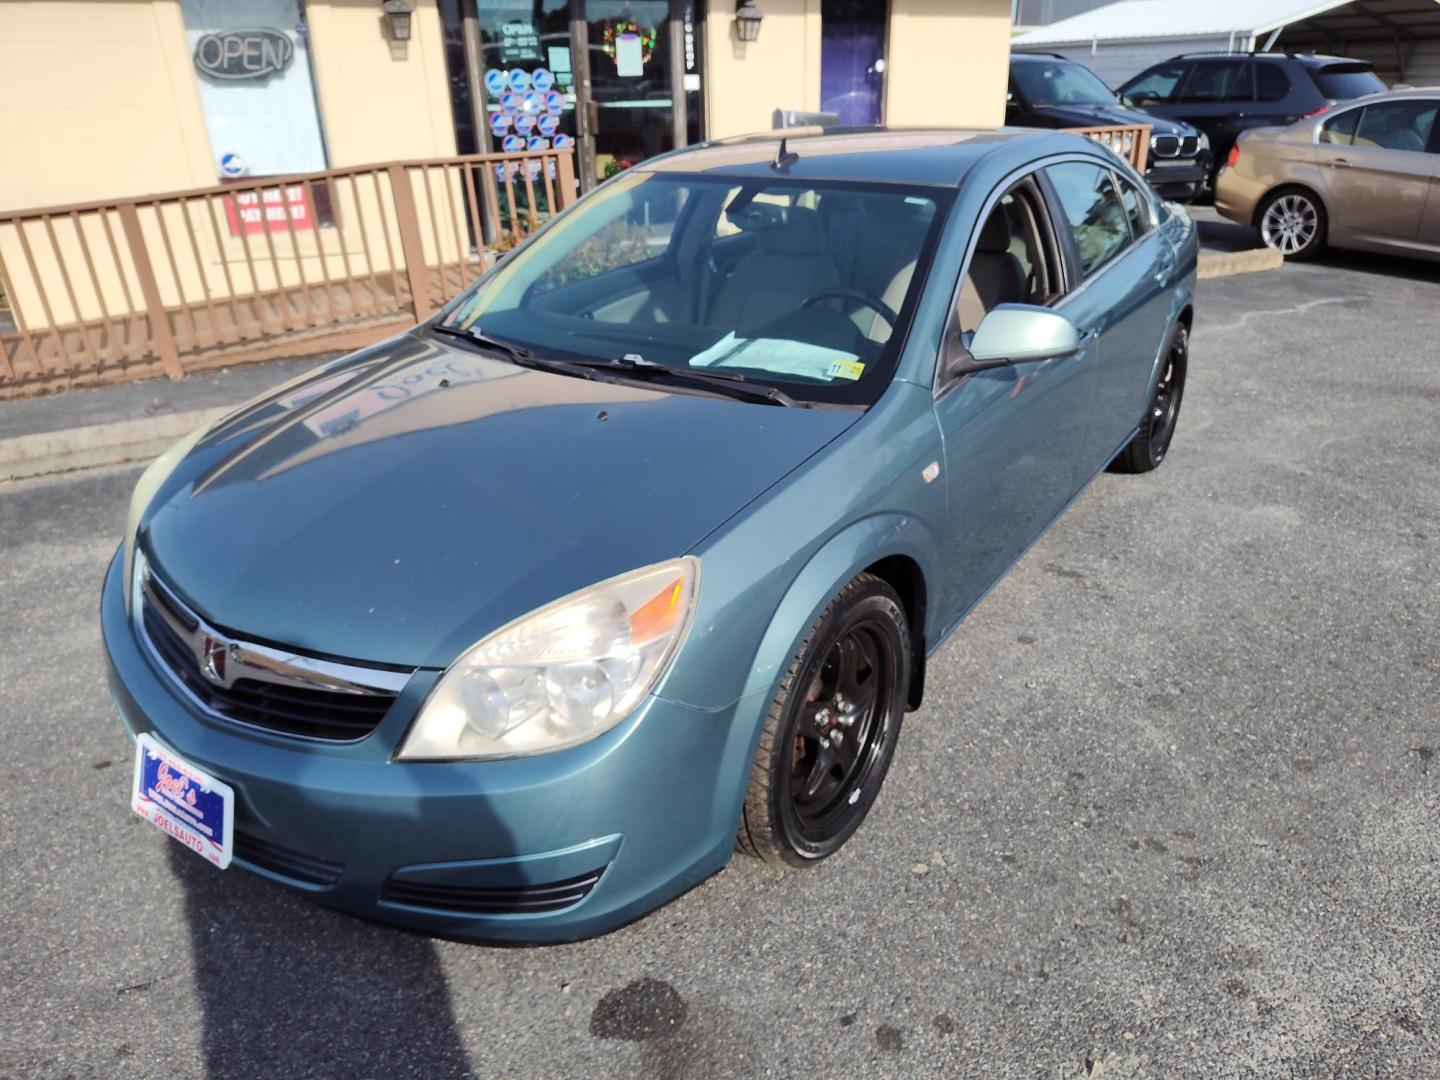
831,731
1292,221
1151,443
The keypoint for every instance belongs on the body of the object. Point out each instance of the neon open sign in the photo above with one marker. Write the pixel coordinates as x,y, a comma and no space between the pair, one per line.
244,54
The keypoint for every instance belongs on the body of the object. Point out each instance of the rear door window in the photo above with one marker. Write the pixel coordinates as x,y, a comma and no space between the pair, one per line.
1093,211
1271,83
1213,81
1343,82
1157,85
1397,125
1136,208
1242,87
1340,128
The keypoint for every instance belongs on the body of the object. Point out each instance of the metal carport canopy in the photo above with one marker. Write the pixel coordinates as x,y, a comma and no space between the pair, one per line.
1246,24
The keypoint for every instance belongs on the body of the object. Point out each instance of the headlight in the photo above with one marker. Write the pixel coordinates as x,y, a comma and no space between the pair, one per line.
562,674
149,483
1204,141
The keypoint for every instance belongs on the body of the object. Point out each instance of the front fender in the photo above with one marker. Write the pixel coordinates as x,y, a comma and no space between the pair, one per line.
837,563
769,570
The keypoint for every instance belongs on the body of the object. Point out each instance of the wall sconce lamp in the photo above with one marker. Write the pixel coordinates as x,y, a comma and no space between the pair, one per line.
747,21
397,17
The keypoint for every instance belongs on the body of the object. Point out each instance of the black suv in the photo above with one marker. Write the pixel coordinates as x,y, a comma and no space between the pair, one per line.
1051,91
1224,94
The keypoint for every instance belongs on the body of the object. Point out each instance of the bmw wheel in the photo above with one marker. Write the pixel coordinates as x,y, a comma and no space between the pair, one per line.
1292,221
831,730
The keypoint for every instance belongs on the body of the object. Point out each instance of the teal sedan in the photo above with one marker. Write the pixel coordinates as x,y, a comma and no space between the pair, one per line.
515,626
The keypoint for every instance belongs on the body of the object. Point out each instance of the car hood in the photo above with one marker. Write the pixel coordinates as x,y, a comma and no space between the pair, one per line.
399,507
1112,115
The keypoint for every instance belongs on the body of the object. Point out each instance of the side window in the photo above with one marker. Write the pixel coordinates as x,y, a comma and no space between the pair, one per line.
1211,82
1271,82
1397,125
1155,86
1242,87
1340,128
1093,210
1137,209
1015,260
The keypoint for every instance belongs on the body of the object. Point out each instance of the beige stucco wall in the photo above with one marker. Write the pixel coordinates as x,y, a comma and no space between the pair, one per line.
97,99
746,83
379,100
946,64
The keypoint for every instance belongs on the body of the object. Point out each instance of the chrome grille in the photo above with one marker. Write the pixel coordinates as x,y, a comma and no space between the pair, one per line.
1171,146
257,685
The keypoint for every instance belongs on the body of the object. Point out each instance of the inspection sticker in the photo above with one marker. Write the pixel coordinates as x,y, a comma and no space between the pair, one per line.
846,369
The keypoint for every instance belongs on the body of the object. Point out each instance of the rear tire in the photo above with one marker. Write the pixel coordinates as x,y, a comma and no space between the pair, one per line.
1292,221
1151,443
831,731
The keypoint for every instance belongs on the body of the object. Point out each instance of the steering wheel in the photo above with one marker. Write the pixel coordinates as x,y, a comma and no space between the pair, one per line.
884,310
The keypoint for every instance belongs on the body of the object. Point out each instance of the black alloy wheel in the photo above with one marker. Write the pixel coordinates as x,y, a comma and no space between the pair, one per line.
1157,427
831,730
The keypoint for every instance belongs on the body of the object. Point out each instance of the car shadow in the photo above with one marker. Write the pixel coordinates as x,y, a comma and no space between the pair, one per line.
1222,235
1392,266
287,988
1226,236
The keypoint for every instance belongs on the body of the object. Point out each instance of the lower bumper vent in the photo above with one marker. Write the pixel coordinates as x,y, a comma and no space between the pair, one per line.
285,862
492,900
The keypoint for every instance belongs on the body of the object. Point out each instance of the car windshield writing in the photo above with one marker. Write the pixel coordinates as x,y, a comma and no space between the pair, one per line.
802,285
1060,84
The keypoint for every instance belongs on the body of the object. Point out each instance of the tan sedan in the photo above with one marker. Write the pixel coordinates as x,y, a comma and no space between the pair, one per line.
1365,175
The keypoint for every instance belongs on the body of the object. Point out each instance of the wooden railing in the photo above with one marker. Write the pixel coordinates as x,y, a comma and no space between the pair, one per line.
285,266
1131,142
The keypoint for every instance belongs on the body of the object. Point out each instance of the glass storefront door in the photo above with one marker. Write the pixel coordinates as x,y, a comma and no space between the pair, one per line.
535,58
528,74
852,60
631,81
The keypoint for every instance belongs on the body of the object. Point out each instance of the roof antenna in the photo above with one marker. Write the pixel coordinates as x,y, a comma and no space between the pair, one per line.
784,157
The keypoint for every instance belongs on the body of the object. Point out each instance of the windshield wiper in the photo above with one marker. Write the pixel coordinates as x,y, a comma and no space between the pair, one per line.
516,354
512,351
731,383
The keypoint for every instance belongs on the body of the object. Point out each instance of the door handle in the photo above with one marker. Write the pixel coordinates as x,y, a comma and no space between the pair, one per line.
1341,163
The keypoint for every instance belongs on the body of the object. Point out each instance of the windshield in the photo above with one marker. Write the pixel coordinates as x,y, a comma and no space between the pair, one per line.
1060,83
802,285
1343,83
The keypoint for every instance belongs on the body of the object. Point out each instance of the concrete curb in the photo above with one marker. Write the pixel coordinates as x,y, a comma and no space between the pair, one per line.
98,444
1216,264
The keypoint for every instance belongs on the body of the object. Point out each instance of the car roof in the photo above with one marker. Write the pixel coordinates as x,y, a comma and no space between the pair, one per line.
927,157
1309,59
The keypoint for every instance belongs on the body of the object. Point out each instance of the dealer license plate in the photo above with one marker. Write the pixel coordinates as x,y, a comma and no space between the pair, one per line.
181,800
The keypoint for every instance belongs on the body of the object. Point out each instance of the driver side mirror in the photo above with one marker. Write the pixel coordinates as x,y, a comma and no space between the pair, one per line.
1016,334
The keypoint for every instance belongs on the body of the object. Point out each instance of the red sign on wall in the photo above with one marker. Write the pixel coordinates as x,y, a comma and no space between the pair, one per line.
276,209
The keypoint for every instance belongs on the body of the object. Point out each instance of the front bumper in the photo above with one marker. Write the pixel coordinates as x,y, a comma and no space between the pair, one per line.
1179,180
472,850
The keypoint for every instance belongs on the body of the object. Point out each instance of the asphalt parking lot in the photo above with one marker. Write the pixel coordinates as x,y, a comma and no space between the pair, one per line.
1168,809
